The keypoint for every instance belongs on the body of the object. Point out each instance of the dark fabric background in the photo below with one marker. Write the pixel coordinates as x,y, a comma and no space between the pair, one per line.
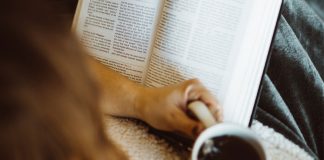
292,99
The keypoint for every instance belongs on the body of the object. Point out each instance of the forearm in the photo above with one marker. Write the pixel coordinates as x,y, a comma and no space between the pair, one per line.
118,93
164,108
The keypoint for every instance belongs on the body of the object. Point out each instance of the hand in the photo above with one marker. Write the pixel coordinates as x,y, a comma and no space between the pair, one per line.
166,108
163,108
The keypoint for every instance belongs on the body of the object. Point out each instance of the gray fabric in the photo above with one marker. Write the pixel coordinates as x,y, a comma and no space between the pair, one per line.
292,98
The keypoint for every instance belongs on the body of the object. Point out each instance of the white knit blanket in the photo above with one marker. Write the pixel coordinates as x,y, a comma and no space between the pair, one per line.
138,144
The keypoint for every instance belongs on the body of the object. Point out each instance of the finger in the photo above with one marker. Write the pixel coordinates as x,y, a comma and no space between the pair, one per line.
195,90
212,105
183,124
192,88
202,94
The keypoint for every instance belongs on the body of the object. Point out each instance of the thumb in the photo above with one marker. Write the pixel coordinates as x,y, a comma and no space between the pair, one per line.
183,124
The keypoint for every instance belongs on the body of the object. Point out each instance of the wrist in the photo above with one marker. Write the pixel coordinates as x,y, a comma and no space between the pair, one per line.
141,102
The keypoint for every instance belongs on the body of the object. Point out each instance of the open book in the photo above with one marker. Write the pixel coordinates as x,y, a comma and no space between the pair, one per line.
224,43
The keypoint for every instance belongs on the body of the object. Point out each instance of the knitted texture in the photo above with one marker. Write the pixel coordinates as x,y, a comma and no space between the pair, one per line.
133,138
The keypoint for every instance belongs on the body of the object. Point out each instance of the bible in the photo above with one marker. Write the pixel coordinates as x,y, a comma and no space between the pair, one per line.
224,43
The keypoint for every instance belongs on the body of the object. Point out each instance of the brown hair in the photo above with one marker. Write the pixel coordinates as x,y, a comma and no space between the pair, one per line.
48,102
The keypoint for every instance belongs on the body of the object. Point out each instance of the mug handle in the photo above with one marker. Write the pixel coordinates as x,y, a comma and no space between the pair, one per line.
202,112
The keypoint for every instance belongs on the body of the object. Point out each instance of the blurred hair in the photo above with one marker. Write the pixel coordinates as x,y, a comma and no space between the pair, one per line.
48,100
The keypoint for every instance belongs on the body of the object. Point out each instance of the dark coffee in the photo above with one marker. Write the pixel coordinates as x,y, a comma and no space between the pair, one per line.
227,148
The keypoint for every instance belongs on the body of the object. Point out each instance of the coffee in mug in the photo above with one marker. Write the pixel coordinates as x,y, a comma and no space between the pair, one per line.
224,141
227,147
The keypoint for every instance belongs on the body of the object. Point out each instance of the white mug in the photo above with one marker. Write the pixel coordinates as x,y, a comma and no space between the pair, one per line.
223,129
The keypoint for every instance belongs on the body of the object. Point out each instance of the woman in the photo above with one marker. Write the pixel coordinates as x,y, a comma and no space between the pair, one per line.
53,96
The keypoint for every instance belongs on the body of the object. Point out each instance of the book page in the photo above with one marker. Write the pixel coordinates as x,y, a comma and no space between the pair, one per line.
252,56
223,43
119,33
196,40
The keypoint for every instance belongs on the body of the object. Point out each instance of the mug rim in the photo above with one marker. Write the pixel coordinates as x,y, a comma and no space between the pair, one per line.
228,129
